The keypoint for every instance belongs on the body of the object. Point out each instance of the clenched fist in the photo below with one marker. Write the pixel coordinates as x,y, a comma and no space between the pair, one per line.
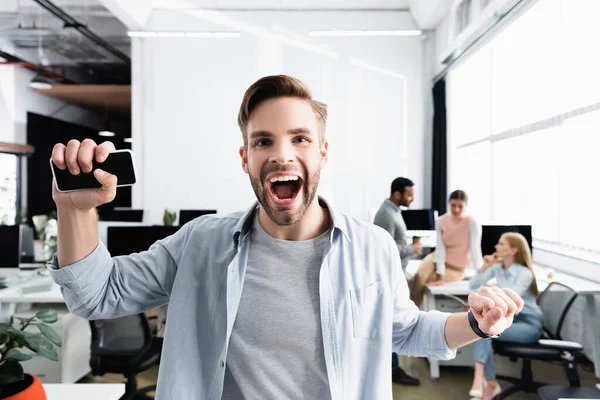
494,308
77,158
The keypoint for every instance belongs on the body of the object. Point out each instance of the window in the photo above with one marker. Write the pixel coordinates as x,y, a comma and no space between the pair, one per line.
523,122
8,188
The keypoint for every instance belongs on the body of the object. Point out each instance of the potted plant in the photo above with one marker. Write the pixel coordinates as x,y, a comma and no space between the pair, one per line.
169,218
14,383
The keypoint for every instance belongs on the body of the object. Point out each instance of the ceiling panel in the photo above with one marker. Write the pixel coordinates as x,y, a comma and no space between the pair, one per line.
285,4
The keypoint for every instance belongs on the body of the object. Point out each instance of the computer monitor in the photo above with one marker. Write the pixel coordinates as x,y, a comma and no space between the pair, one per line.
186,216
490,234
10,251
26,245
124,240
420,220
121,215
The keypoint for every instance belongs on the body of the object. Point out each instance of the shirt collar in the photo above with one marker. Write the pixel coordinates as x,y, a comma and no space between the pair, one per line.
511,271
338,221
392,204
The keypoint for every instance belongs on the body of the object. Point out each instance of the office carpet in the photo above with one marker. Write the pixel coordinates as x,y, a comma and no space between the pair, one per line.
454,382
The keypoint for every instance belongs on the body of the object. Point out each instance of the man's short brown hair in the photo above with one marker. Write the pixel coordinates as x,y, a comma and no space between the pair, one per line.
275,86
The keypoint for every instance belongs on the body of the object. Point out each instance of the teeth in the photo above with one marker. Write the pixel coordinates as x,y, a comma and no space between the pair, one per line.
284,178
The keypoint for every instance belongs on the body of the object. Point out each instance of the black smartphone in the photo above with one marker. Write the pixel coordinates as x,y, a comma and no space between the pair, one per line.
119,163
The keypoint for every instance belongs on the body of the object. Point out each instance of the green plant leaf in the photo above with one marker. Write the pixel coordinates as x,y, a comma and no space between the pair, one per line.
48,352
14,354
50,334
42,346
15,333
4,327
48,316
4,338
34,342
10,371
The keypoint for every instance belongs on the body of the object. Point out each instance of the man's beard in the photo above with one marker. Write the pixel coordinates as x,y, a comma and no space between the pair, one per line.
286,216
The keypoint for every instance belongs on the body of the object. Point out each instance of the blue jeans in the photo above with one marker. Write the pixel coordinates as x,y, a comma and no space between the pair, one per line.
523,330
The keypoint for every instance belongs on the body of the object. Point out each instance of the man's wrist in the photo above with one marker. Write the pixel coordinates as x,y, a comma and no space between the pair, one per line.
475,327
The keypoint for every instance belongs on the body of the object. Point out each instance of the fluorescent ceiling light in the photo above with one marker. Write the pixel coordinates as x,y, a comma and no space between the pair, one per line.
106,133
170,34
214,34
338,33
141,34
184,34
127,140
40,82
40,85
223,19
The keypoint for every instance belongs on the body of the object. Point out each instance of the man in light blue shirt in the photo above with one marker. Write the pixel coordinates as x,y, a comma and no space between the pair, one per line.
289,299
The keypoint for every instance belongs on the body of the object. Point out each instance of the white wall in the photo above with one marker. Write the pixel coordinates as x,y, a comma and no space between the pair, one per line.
187,91
442,43
17,98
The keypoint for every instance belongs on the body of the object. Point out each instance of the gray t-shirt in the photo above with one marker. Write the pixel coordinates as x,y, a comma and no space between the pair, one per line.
276,346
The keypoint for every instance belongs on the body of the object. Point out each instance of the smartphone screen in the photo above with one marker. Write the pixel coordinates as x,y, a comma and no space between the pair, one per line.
119,163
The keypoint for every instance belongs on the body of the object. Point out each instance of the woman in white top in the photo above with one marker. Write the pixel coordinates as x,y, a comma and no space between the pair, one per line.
458,247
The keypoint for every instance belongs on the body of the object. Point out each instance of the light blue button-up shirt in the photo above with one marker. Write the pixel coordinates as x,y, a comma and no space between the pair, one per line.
365,308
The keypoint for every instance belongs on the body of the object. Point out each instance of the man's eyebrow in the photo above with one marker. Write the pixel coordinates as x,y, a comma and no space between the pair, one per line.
260,133
295,131
298,131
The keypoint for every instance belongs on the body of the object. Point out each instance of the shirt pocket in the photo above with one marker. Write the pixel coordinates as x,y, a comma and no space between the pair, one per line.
368,311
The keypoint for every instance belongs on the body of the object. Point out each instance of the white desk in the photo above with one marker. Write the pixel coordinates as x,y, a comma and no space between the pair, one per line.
74,355
584,287
87,391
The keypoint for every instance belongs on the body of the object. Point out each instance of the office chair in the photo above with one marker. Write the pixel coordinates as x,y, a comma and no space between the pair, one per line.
555,302
554,392
125,346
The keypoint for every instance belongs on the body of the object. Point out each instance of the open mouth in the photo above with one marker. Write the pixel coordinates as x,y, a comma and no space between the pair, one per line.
285,188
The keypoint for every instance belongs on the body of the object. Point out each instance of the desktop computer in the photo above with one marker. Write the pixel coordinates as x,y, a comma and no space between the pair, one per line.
420,220
186,216
490,234
125,240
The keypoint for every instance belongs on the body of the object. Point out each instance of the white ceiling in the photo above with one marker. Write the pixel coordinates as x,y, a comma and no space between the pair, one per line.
289,4
24,22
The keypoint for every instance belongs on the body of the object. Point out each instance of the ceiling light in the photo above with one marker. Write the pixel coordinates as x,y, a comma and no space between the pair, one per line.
185,34
106,133
40,81
340,33
170,34
127,140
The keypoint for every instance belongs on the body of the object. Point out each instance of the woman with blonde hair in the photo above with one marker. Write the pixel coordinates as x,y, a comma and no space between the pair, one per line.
458,247
512,267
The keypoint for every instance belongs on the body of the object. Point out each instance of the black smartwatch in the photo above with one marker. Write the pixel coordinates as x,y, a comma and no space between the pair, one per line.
475,327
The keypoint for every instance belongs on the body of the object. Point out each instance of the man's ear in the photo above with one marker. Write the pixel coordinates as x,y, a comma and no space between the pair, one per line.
324,153
244,157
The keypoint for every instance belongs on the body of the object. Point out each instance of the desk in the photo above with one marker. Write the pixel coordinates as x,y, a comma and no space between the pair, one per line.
87,391
74,355
585,288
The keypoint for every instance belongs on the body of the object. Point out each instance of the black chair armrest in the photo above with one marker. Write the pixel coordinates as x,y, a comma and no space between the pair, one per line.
560,344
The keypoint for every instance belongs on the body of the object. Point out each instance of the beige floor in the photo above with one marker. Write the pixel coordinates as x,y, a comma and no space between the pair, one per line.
454,383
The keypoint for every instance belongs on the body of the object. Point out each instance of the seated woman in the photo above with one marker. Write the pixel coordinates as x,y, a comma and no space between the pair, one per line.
458,247
512,267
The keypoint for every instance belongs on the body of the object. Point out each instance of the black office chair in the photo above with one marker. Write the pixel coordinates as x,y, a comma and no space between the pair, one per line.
554,392
125,346
555,302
